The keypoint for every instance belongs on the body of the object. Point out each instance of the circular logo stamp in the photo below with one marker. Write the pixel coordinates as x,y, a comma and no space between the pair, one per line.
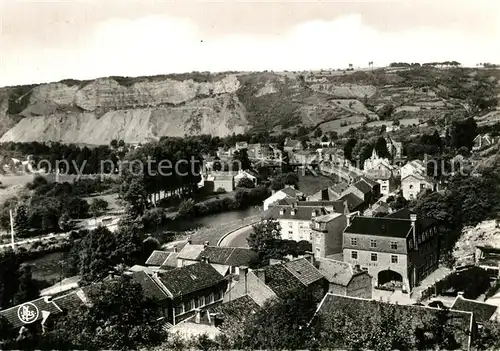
27,313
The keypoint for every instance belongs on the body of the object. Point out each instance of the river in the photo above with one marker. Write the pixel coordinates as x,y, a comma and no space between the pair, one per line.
48,267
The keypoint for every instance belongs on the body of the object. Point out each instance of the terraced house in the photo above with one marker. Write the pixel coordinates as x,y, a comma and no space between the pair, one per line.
398,250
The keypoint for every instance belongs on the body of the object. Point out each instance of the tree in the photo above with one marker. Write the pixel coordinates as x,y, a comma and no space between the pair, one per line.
187,208
9,277
114,143
463,133
27,288
241,156
349,147
262,233
488,337
65,223
245,183
136,197
264,329
386,111
98,206
381,148
121,143
120,317
398,203
21,220
318,132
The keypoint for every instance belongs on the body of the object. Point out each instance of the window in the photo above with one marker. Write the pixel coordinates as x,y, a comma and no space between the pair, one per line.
374,257
217,295
189,305
373,243
316,225
394,245
354,241
364,269
422,186
394,258
354,255
411,186
384,187
178,309
318,249
201,301
196,303
210,299
310,237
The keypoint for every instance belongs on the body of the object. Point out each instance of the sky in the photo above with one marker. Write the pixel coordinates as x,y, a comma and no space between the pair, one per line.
43,41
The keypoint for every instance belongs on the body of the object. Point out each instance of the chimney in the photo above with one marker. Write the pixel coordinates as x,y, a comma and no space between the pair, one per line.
189,241
413,219
205,244
243,277
357,268
204,259
197,317
460,294
175,248
309,255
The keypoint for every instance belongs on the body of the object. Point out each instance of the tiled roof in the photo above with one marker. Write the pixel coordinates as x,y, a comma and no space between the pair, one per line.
191,252
301,213
362,186
482,311
157,258
338,206
304,271
336,272
281,280
229,256
69,301
370,182
243,306
171,261
11,314
240,257
380,226
339,188
290,191
327,218
187,279
353,201
149,286
352,306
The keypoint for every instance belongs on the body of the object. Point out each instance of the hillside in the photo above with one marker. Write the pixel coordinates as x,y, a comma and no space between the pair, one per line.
143,108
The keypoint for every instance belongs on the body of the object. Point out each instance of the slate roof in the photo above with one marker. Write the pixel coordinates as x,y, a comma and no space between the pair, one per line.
404,213
338,206
188,279
157,258
281,280
379,226
171,261
11,314
370,182
216,254
301,213
482,311
149,286
336,272
304,271
191,252
352,306
240,257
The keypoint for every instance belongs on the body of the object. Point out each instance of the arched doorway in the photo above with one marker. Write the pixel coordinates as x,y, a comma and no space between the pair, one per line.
388,276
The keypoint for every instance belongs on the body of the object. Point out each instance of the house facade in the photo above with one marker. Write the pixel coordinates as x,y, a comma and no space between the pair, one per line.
245,174
345,279
287,192
295,221
414,184
397,250
327,232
